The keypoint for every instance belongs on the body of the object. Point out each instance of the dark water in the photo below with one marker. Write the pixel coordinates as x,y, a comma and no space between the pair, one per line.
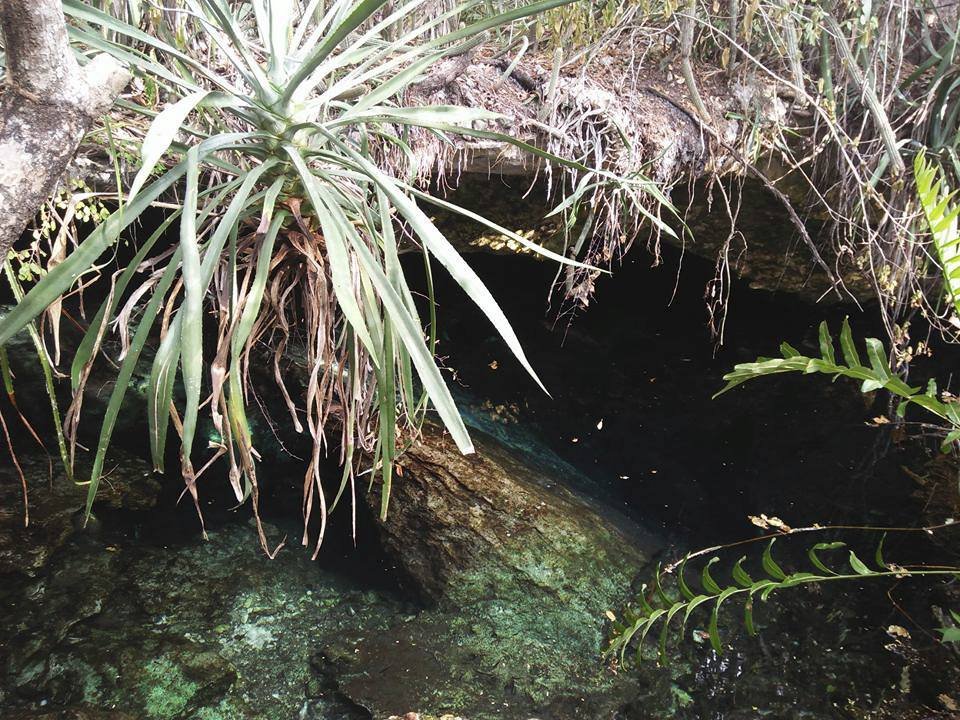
630,382
646,369
214,630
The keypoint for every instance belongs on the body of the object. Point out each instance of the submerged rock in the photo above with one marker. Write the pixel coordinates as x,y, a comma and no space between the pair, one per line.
140,626
452,516
518,570
56,506
81,712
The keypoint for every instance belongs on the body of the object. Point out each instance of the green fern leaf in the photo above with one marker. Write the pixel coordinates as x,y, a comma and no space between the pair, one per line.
815,559
941,215
741,576
748,616
714,619
878,376
878,555
665,630
709,584
770,565
645,606
850,355
858,565
826,345
693,605
658,587
682,582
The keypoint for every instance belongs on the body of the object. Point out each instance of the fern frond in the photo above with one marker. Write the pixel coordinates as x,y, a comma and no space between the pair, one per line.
941,212
878,375
951,633
640,620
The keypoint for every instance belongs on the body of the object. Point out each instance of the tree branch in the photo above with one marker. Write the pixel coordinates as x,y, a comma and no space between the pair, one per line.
47,105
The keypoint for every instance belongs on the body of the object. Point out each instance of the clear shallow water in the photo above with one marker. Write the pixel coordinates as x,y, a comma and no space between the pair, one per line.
196,629
143,617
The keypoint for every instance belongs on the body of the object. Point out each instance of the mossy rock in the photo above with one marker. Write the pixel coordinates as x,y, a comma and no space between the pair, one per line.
517,571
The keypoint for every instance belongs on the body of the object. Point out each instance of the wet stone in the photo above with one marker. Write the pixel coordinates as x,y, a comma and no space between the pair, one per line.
518,570
56,506
207,630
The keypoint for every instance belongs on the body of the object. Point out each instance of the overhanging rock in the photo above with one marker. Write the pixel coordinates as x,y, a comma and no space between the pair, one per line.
624,114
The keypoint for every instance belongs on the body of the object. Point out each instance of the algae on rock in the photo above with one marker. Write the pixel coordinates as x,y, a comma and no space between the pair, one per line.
518,570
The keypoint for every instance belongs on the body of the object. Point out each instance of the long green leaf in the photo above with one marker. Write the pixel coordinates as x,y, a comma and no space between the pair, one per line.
84,11
248,316
770,565
58,280
86,347
125,375
340,271
191,330
410,333
516,237
441,249
358,14
161,133
815,558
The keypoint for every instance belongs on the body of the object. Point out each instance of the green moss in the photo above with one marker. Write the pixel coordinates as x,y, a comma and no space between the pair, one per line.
226,710
537,630
167,691
682,697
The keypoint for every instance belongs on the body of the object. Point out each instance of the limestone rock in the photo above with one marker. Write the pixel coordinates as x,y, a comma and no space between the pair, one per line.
518,570
452,515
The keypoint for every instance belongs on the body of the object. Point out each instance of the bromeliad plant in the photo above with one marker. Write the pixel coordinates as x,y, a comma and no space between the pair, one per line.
289,230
